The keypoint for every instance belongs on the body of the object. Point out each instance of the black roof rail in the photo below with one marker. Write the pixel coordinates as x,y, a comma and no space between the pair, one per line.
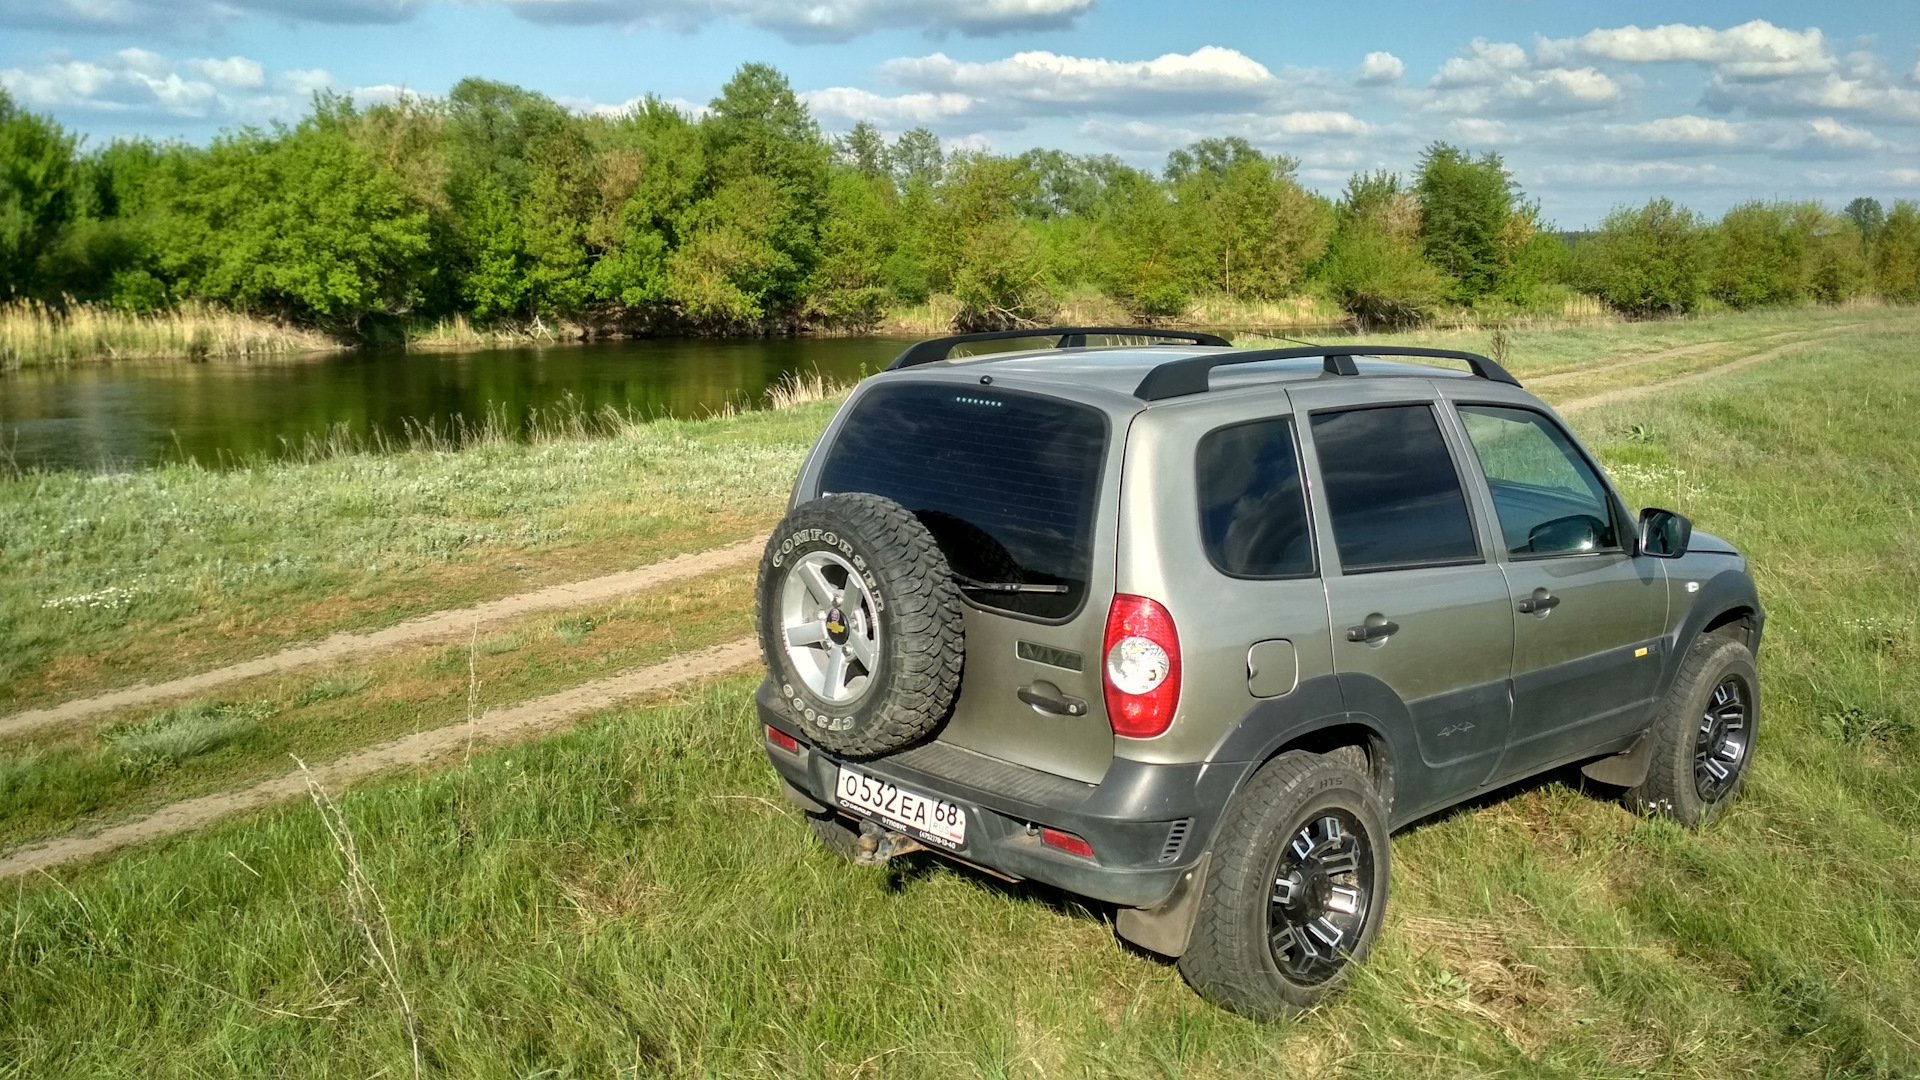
934,350
1179,378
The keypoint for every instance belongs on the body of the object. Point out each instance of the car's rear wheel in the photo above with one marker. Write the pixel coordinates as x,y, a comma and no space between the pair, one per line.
1703,737
1295,891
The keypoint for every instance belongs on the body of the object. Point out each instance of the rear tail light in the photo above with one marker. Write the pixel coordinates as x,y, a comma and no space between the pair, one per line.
1142,667
1066,842
782,740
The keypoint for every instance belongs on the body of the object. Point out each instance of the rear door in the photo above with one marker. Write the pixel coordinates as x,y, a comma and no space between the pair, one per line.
1587,614
1011,484
1418,610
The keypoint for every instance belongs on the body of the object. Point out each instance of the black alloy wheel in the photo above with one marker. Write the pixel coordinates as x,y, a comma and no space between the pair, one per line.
1321,895
1720,747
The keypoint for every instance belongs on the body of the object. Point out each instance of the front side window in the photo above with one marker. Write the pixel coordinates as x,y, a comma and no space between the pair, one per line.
1548,498
1253,508
1392,490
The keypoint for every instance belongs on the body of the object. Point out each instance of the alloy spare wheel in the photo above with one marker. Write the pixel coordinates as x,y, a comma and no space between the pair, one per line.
860,624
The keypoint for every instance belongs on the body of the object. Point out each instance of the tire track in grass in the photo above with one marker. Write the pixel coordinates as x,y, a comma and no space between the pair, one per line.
541,716
429,627
1628,393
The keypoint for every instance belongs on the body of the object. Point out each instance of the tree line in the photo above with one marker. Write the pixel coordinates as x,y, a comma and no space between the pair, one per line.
497,204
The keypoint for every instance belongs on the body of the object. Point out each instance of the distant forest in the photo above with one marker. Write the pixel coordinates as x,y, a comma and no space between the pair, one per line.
497,205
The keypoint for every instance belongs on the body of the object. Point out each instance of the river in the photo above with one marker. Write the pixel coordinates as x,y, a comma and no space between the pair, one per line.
120,416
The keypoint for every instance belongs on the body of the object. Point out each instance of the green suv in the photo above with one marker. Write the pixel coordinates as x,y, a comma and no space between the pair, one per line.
1191,630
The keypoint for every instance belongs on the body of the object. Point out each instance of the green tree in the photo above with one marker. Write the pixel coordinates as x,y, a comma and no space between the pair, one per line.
1896,258
1373,267
864,150
1467,219
916,157
1251,229
1869,217
1141,240
849,286
656,172
36,194
304,225
1755,257
991,262
1647,261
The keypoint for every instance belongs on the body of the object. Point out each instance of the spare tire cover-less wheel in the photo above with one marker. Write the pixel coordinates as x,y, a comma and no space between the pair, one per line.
860,623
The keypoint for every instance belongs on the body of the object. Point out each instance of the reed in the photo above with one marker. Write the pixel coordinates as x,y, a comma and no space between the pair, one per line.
34,334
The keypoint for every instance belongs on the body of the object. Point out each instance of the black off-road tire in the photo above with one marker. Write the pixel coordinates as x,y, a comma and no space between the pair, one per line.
1229,958
1670,790
921,634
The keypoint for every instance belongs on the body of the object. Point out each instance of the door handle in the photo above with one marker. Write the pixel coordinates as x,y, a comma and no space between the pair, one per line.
1375,628
1539,603
1046,698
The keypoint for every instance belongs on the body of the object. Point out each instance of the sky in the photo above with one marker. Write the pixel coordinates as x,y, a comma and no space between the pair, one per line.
1592,106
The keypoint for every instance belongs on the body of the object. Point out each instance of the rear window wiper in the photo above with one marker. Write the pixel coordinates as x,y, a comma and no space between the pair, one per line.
1007,586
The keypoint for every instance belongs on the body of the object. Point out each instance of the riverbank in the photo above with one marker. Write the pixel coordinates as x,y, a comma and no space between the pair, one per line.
36,335
636,892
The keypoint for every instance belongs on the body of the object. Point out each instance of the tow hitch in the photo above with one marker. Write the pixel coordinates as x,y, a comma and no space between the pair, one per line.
875,845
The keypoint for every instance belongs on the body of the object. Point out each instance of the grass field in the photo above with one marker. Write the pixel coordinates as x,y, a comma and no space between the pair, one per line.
633,898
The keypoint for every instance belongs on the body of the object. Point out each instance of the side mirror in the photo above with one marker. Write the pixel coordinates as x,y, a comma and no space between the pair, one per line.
1663,533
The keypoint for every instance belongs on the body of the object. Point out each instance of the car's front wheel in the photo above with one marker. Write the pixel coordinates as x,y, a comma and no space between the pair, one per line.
1296,889
1703,737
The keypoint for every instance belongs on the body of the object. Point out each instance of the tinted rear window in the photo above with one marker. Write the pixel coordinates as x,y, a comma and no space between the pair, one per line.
1253,511
1392,490
1006,482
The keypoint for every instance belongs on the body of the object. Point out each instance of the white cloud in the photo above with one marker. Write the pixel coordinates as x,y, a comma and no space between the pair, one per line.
1476,130
1324,122
1881,101
1838,136
194,16
1686,130
1207,77
893,113
1659,175
1380,68
237,72
1483,63
1550,91
818,20
1756,49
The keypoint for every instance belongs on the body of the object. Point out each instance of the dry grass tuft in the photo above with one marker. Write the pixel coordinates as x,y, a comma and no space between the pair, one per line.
33,334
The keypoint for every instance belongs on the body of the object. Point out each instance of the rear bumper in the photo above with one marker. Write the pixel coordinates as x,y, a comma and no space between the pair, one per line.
1147,823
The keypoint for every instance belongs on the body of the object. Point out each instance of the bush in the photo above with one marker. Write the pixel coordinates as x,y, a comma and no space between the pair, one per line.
1380,280
1646,262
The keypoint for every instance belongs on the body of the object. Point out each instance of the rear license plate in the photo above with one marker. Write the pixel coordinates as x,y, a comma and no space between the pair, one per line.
923,815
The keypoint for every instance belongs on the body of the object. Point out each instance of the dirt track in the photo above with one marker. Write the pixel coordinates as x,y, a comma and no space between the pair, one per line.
439,624
535,717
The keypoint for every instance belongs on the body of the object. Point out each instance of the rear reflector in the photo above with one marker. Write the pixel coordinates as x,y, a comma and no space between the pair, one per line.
1066,842
782,740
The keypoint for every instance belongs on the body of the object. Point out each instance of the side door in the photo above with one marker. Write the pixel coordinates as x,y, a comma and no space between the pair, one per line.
1418,610
1586,612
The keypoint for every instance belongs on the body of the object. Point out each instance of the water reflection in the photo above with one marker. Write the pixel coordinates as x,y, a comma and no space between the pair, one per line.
131,415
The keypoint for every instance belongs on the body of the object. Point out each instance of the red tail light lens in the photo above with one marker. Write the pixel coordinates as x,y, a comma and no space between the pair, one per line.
1142,667
1066,842
782,740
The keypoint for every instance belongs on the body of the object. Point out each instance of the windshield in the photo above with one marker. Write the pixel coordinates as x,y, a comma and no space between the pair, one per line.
1005,481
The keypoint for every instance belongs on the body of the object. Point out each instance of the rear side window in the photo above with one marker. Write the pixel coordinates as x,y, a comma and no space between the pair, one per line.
1006,482
1253,509
1392,490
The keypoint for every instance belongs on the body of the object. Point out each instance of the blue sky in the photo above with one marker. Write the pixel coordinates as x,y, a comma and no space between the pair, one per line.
1592,105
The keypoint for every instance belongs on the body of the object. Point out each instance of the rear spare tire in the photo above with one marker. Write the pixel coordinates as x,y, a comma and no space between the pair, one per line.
860,624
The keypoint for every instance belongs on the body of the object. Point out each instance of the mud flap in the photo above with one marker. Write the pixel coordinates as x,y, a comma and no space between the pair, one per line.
1166,928
1625,769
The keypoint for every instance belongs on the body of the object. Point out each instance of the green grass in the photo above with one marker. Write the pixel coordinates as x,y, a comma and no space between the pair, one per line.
92,773
116,578
634,899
